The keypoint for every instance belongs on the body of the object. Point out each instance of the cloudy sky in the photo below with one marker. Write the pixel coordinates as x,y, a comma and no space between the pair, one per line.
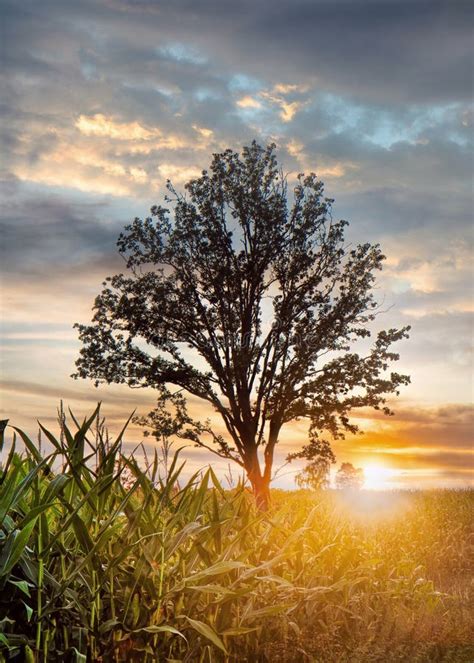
103,100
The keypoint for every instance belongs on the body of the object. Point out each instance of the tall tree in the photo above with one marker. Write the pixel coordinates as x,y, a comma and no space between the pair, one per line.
245,297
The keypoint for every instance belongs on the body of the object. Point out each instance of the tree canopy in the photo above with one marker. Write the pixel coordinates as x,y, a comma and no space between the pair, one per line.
315,474
243,294
349,477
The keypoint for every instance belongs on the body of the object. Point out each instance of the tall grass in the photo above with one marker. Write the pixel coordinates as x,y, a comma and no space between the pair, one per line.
102,559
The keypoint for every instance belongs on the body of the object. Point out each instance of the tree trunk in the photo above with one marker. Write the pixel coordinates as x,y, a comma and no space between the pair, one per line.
261,491
260,482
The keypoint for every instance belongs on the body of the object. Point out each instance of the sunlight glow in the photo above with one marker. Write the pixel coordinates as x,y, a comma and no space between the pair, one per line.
378,477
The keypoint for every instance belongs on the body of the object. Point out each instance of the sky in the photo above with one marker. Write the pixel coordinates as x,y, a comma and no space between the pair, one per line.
103,100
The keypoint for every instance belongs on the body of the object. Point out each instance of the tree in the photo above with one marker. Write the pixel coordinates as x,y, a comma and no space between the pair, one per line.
315,474
349,477
246,298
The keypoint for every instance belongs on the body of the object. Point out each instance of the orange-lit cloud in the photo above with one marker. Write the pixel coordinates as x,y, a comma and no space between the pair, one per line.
278,96
177,173
248,102
68,177
205,133
323,168
99,154
100,125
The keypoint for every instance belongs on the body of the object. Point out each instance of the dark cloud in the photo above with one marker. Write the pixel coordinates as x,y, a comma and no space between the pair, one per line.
386,50
42,234
78,392
460,413
378,51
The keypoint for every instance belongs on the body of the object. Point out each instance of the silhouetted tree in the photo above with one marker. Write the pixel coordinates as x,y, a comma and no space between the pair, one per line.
315,474
250,302
349,477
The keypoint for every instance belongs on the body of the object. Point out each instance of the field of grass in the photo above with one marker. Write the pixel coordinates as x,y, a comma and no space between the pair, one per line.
104,560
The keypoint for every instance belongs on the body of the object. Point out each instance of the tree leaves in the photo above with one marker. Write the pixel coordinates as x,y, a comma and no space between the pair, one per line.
244,295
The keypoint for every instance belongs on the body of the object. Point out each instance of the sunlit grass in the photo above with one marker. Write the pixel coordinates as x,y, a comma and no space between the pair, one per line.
103,559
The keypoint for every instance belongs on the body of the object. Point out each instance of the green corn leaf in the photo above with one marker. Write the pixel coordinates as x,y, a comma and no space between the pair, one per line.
217,569
22,585
56,486
160,629
78,657
82,534
268,611
29,611
109,625
239,630
28,654
206,631
35,512
19,540
29,445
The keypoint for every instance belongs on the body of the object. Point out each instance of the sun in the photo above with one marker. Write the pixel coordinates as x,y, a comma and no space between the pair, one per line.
377,477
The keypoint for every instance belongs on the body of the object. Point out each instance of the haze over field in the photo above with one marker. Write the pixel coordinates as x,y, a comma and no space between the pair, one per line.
105,100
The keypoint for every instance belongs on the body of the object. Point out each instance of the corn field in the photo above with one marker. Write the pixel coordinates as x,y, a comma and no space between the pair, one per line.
105,559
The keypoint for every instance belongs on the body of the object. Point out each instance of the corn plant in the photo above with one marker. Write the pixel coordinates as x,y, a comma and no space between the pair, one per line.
104,558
